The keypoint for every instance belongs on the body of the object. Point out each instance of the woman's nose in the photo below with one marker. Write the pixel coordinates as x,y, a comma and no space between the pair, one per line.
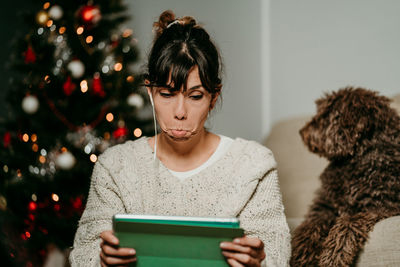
180,108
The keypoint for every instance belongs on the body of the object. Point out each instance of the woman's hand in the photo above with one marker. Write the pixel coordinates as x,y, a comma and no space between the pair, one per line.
244,251
112,254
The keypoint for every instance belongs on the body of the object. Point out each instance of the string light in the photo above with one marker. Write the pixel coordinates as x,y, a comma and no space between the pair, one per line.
42,159
64,149
27,234
109,117
105,69
55,197
42,17
33,137
34,197
126,49
79,30
35,148
5,168
84,86
62,30
89,39
118,66
46,5
127,33
93,158
137,132
25,138
19,174
49,23
47,79
107,135
130,79
43,152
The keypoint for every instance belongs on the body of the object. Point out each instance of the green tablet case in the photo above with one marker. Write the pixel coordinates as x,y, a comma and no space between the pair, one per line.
176,243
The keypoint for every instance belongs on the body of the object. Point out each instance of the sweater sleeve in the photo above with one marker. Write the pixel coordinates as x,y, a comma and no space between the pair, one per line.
263,217
103,202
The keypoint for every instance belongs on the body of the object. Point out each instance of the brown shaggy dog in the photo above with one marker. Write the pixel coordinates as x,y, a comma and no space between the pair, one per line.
357,131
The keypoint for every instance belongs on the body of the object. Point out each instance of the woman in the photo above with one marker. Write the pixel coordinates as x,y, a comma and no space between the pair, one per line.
185,170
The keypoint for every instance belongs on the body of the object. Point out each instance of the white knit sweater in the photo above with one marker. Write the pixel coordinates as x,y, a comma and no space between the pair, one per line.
243,183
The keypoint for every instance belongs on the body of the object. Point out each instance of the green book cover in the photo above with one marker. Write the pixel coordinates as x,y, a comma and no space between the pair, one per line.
176,241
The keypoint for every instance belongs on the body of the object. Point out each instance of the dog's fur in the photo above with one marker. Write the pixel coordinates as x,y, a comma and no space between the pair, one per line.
357,131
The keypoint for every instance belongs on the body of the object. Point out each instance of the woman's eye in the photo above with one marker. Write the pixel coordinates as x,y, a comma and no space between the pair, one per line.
196,97
166,94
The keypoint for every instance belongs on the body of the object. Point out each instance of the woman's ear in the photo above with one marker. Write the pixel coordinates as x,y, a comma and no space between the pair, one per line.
214,100
149,92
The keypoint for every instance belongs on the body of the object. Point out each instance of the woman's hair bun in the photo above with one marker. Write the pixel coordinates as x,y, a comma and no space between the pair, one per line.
167,18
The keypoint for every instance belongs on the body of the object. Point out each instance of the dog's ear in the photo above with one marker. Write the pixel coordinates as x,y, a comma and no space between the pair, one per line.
343,120
365,112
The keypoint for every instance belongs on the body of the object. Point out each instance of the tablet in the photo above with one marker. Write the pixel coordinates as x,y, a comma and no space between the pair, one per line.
176,240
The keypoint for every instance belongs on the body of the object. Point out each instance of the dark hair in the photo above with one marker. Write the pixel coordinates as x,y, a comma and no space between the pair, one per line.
179,45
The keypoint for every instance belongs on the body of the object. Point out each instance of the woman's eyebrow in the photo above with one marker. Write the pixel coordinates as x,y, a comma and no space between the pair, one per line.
195,87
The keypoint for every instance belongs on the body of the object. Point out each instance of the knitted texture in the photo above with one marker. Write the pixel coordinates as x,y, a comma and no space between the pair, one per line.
243,183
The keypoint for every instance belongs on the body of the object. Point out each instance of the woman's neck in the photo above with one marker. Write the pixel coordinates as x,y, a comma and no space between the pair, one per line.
188,154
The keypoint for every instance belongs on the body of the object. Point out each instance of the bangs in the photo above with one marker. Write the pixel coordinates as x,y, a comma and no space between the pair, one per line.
178,67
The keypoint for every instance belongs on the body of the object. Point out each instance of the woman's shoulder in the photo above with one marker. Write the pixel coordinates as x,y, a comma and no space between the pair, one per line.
120,154
256,152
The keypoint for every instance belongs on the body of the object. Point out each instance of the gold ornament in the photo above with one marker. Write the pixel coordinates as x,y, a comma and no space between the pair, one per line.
42,17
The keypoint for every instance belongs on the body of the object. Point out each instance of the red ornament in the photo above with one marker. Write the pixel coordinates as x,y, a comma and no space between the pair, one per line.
31,217
30,56
7,139
24,237
32,206
98,88
120,132
68,86
77,203
90,15
43,230
57,207
114,44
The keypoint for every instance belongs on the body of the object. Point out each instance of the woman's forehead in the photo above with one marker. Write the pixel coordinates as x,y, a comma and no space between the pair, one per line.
190,79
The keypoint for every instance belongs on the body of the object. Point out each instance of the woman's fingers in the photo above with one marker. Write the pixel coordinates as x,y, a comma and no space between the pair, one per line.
234,247
249,241
121,252
109,237
234,263
246,251
111,254
240,258
109,260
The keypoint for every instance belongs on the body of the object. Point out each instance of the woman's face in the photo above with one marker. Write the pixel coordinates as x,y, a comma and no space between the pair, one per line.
180,114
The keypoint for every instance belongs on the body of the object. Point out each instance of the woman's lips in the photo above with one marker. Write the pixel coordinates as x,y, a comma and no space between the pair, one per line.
179,133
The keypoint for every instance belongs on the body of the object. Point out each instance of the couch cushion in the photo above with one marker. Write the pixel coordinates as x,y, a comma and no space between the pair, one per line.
298,169
383,246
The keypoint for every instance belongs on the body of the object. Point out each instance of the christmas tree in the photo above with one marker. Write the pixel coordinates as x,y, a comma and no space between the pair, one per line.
72,96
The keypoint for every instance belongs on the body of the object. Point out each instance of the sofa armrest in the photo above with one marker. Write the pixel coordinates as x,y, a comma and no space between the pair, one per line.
383,245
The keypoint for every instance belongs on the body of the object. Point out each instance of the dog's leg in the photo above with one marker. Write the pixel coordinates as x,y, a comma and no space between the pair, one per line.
309,235
346,238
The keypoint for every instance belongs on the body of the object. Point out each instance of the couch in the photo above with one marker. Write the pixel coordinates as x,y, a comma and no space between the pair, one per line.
299,172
